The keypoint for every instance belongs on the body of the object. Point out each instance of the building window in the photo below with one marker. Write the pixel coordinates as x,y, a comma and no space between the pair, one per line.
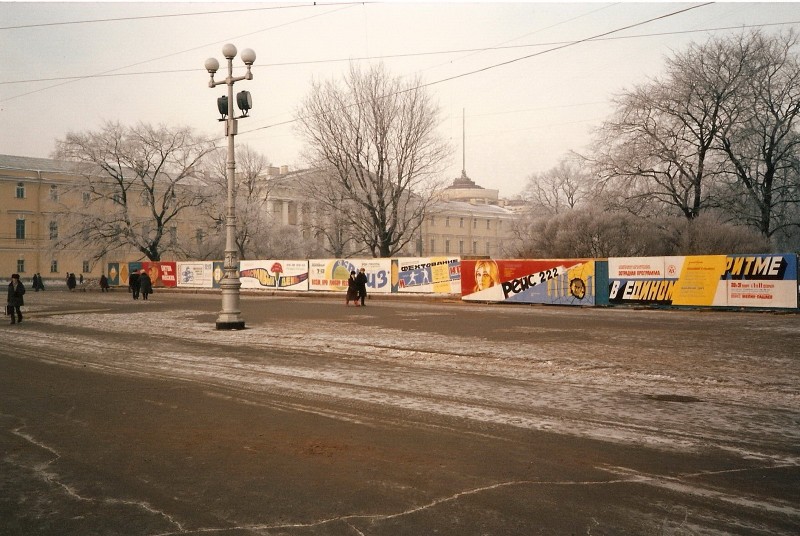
433,221
173,234
433,244
474,248
199,235
86,267
475,223
21,265
54,266
53,230
461,223
20,190
487,249
115,198
487,224
461,247
447,221
86,198
447,246
20,229
53,193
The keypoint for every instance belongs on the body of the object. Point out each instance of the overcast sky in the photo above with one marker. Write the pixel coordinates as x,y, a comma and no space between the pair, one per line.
71,66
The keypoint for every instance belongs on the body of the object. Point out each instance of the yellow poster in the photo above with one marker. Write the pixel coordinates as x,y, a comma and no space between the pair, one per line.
699,279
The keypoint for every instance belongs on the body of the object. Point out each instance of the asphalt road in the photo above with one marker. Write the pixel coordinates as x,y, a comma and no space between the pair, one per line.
406,417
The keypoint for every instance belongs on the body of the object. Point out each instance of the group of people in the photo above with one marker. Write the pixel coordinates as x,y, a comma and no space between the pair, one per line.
36,282
140,282
356,288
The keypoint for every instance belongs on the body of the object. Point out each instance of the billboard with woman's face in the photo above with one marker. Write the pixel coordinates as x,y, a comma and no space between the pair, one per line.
551,281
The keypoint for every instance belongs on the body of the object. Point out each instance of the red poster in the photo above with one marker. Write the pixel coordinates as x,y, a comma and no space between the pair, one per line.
162,274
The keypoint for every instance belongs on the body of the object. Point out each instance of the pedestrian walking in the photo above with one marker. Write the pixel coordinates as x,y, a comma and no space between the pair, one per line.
352,289
71,281
103,283
361,285
133,285
41,281
35,282
145,285
16,290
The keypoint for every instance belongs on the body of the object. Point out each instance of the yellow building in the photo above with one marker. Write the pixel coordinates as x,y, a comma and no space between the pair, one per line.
36,195
31,193
468,221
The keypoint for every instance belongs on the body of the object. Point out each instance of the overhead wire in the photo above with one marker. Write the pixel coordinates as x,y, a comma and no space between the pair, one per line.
507,62
110,74
171,15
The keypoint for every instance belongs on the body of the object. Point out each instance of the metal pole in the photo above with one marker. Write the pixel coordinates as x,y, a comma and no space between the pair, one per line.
230,316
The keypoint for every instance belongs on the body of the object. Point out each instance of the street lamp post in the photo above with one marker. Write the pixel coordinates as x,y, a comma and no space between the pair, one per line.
231,317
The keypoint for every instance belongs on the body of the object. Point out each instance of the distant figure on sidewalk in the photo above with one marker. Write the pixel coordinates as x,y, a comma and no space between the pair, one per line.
352,289
145,285
71,283
40,281
35,282
103,283
15,292
133,284
361,285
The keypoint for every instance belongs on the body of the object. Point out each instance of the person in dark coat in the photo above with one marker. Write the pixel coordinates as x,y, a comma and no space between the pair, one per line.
352,289
16,290
145,285
40,281
133,284
71,282
361,285
103,283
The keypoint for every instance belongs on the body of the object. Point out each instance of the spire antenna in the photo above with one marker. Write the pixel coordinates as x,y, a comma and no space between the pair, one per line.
463,144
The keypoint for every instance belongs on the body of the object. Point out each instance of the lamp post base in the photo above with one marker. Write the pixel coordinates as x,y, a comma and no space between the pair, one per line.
230,325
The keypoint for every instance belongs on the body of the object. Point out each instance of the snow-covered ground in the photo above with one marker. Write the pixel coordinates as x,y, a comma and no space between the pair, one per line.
737,388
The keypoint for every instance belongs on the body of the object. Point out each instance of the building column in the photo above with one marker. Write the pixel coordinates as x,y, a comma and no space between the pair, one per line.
285,212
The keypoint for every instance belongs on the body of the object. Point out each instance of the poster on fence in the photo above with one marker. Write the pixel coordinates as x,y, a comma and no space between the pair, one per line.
431,275
764,280
113,274
124,270
332,274
162,274
274,274
218,273
546,281
761,280
196,274
642,280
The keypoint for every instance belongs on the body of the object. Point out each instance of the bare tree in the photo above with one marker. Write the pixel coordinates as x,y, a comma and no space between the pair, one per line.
137,182
710,234
331,224
376,138
658,148
561,188
762,143
253,223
